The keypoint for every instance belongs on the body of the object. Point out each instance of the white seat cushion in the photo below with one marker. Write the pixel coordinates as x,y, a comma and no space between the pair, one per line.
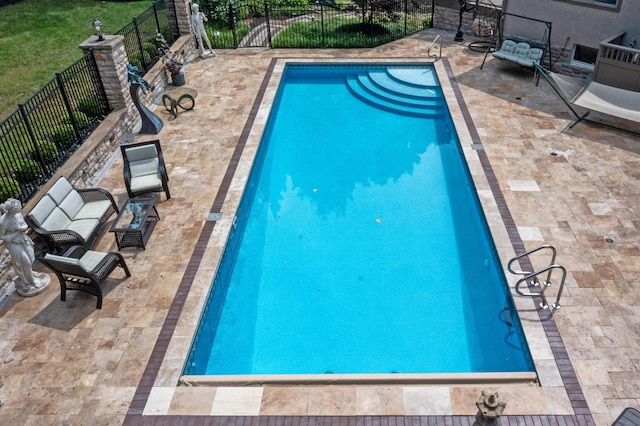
72,204
144,167
57,221
93,210
137,153
84,227
62,259
60,190
144,183
42,210
90,259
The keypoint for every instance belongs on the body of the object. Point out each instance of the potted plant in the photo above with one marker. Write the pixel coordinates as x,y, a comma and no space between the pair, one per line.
169,59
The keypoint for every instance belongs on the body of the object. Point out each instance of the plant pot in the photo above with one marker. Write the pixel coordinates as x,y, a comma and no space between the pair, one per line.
178,79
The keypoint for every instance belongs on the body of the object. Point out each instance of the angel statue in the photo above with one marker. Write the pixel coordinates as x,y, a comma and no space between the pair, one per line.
13,232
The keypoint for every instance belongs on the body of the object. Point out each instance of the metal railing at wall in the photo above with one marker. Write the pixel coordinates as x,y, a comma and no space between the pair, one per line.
45,130
314,24
39,136
140,35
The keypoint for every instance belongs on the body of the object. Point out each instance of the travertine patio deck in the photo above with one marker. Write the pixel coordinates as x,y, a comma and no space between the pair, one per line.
67,363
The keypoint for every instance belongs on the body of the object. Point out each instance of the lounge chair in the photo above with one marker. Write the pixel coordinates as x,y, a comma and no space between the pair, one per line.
594,96
83,270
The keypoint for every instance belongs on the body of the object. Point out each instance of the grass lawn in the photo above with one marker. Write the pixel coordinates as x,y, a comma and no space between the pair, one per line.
40,37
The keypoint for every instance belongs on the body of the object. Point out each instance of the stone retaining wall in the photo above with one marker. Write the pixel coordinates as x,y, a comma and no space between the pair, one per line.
88,162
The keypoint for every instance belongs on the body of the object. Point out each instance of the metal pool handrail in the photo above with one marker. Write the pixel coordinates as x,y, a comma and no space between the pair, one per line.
439,55
534,283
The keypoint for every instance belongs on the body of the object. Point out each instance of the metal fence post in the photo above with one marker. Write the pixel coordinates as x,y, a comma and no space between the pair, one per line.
67,104
139,38
232,25
95,77
433,12
322,24
32,136
266,13
155,14
406,12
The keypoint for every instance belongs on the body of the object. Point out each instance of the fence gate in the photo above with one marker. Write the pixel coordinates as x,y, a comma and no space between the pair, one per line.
254,29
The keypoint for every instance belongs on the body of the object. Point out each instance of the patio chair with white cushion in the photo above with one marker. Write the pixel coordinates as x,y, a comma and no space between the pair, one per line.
144,169
83,270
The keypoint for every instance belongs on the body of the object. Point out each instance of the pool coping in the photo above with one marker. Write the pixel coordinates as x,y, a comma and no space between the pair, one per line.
174,341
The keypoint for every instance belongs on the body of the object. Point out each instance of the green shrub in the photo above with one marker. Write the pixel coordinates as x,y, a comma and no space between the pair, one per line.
9,188
26,170
150,48
63,135
168,35
81,118
48,150
90,107
136,59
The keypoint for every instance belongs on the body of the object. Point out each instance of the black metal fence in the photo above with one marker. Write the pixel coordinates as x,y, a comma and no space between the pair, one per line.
43,132
140,35
314,24
39,136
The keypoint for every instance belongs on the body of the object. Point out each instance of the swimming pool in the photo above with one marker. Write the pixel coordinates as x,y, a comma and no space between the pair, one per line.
359,246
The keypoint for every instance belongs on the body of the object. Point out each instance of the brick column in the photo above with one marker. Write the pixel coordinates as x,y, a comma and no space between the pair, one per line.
112,60
183,14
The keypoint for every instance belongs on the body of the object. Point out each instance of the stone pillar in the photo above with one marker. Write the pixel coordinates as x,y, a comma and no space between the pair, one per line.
112,60
183,14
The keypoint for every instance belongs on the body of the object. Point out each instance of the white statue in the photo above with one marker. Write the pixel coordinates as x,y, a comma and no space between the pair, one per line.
197,21
13,232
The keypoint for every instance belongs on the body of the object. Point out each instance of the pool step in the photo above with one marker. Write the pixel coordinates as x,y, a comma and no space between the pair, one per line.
385,91
407,82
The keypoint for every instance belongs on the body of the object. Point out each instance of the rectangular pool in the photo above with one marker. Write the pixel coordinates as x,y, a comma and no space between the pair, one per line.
360,246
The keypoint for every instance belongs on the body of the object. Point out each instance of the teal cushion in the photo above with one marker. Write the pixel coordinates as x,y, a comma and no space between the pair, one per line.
521,50
507,46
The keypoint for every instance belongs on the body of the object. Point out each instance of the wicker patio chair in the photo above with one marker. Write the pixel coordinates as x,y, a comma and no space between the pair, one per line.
83,270
144,169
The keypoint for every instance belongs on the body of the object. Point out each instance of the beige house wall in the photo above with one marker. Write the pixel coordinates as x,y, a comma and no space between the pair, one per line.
580,23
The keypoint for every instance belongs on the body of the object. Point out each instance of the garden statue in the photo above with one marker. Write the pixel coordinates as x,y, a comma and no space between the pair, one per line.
197,21
134,77
13,232
151,123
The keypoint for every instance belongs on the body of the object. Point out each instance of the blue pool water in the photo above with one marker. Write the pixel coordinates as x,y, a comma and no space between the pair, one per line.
360,245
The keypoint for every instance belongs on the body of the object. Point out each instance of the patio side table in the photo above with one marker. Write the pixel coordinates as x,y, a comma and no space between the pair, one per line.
134,224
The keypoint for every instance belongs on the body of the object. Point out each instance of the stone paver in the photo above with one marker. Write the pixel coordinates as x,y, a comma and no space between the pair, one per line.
579,190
